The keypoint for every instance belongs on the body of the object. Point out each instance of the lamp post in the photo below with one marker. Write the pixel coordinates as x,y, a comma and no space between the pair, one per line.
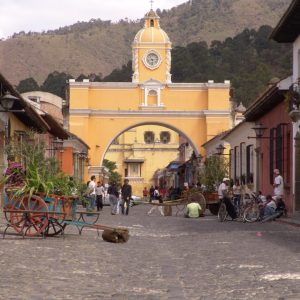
220,150
7,101
259,130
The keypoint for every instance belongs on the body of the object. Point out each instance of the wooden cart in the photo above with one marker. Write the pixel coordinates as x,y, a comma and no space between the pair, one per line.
48,215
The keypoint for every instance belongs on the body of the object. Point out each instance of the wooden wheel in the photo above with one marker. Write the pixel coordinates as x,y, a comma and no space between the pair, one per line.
199,198
27,222
214,208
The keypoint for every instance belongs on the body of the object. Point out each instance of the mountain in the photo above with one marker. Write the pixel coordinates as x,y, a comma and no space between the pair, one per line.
100,46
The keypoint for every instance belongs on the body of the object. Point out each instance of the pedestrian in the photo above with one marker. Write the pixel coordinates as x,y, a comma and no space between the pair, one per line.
119,189
91,194
99,195
224,195
237,190
126,192
113,197
156,200
145,193
278,184
151,192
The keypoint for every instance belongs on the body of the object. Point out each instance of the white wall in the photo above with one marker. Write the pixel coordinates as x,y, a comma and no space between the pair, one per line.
296,59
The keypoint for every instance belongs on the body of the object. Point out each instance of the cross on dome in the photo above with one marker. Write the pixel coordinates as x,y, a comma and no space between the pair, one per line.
151,3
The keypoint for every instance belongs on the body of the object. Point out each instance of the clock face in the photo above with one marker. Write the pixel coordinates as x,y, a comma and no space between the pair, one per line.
152,59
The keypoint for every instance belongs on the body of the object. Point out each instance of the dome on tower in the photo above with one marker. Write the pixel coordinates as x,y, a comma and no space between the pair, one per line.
151,33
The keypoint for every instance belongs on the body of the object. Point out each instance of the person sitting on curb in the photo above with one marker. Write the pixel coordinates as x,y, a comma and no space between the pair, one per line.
270,206
193,210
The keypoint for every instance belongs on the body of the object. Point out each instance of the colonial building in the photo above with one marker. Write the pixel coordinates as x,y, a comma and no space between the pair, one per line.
100,112
288,31
70,151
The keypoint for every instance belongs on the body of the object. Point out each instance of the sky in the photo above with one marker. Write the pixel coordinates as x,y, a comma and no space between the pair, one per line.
39,15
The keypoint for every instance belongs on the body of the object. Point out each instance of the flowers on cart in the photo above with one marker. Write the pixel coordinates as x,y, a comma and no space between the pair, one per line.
14,174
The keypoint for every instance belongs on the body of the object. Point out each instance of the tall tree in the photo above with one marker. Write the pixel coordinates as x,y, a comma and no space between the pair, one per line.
27,85
56,83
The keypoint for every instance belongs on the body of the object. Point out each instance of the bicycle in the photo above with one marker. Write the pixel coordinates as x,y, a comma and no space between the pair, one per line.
252,211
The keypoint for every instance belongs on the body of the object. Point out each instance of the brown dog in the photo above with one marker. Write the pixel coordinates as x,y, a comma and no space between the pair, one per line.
116,235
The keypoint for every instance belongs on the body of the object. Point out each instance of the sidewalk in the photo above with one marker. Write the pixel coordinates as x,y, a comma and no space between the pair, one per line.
293,220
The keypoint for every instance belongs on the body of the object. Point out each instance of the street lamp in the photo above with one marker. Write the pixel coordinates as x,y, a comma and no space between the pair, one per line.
259,130
220,149
7,101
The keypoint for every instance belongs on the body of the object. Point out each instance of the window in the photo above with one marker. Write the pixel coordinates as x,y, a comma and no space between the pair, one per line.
151,23
165,137
36,99
271,154
149,137
134,169
249,164
236,163
280,151
243,163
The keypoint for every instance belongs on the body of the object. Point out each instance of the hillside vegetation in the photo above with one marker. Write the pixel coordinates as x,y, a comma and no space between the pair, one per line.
101,46
249,60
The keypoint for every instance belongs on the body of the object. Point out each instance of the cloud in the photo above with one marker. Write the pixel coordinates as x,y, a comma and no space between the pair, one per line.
39,15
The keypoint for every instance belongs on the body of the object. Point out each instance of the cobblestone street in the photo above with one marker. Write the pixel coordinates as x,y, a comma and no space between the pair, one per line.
165,258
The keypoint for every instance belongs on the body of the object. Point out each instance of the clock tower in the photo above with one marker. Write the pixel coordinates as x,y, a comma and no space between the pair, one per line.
151,52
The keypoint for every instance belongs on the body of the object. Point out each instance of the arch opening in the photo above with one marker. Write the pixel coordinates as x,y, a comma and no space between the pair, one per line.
145,150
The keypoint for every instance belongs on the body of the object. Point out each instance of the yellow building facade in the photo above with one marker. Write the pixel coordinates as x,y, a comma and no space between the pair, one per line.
100,112
141,151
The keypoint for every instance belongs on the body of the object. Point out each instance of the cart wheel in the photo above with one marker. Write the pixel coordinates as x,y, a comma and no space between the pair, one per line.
27,223
15,218
222,214
214,208
198,197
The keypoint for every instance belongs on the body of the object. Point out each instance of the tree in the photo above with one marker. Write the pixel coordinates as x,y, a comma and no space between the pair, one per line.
114,175
215,168
120,75
56,83
27,85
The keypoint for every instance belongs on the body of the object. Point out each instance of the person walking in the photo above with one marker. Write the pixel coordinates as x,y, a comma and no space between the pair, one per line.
151,192
99,195
126,192
157,199
92,193
113,197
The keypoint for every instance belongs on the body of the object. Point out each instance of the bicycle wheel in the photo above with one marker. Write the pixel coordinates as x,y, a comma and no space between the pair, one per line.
222,213
251,214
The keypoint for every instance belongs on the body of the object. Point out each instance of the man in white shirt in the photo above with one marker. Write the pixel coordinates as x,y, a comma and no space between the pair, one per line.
92,193
278,184
223,188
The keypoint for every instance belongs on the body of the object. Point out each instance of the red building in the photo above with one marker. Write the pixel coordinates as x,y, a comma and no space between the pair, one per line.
274,148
